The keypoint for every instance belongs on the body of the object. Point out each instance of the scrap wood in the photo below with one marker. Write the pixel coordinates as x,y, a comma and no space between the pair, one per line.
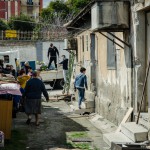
126,117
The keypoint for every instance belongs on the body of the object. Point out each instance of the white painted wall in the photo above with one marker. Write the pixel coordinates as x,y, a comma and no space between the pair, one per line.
29,53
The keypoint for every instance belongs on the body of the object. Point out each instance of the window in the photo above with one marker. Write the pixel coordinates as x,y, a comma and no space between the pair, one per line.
83,43
6,59
87,41
111,53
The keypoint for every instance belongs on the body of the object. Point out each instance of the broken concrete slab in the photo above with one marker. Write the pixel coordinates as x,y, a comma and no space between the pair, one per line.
102,124
116,138
134,131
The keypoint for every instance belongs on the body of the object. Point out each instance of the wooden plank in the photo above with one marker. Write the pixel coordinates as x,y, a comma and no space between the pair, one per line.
6,117
126,117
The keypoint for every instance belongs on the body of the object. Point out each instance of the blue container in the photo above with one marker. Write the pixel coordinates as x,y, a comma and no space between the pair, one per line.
31,63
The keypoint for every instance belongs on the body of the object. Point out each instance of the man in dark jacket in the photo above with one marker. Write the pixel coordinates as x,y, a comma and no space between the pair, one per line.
52,55
64,63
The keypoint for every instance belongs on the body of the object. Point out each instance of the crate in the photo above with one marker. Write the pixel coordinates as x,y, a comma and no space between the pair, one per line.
6,117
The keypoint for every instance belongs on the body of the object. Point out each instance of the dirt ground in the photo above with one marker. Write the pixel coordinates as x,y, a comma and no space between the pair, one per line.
56,121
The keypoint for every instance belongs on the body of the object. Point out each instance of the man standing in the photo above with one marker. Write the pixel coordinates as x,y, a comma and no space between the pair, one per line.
81,84
52,55
65,67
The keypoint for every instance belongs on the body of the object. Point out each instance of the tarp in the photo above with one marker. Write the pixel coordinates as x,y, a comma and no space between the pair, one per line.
10,88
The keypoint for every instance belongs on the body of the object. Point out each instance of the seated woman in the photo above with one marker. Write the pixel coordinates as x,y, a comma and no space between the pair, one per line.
33,92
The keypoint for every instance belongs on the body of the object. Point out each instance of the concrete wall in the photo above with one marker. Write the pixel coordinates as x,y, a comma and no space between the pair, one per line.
138,42
113,87
30,52
114,94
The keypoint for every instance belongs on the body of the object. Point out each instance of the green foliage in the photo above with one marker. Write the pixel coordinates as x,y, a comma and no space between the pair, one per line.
3,25
79,135
55,9
47,13
22,23
60,8
77,5
83,146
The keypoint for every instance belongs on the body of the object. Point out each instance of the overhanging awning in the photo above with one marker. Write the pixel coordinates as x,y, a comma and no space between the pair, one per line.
110,16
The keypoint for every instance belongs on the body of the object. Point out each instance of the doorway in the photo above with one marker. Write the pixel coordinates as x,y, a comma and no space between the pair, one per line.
147,57
93,64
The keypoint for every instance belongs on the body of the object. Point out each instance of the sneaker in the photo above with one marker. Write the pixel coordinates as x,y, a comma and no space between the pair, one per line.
79,107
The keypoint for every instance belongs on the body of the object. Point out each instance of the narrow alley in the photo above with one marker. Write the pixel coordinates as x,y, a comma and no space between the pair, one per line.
56,121
74,74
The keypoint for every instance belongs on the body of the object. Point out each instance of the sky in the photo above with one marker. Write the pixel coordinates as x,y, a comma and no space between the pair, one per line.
46,2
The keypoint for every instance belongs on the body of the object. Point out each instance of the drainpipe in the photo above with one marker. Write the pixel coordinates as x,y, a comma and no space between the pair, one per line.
137,63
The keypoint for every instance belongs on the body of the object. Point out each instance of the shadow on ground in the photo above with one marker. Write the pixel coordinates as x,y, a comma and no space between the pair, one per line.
51,132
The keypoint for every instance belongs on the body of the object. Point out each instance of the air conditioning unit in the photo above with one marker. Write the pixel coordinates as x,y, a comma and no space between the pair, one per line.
110,16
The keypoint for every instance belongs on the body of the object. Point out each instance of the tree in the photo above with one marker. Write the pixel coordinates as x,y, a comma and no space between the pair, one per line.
55,9
77,5
63,9
3,25
58,13
22,23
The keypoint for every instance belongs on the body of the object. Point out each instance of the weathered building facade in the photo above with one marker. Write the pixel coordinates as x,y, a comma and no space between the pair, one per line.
32,8
9,8
107,59
113,45
140,42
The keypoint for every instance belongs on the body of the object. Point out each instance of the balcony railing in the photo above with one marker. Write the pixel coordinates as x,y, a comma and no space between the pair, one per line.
31,35
33,4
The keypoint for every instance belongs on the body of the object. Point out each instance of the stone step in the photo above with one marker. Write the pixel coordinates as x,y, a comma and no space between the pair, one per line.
89,95
134,131
84,105
89,104
116,138
144,123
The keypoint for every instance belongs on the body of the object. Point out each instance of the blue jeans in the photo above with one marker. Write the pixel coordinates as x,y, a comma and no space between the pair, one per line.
81,93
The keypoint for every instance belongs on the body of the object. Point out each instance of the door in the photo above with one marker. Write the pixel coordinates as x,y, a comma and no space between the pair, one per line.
148,55
93,59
